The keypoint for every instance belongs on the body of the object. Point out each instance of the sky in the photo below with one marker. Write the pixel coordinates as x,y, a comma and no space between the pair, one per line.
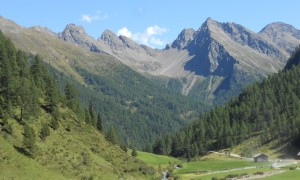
153,22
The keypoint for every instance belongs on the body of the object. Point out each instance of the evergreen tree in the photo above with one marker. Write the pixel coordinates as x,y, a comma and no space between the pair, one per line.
92,114
71,96
111,135
45,131
134,153
88,119
99,123
29,141
54,119
52,93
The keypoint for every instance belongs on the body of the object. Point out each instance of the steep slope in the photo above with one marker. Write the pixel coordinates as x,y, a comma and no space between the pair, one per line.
268,111
138,107
41,137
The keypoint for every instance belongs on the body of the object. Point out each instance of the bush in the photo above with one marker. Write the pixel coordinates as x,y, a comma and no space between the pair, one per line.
179,165
258,173
231,176
147,170
134,153
292,168
123,147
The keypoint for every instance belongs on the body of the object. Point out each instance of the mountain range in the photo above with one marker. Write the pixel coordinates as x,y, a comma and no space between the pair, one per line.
200,68
224,54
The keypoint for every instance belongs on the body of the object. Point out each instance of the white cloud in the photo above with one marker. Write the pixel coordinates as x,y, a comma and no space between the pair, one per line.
89,18
124,32
149,37
156,41
155,30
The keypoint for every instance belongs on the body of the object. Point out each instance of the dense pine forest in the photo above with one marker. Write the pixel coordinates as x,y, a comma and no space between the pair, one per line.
138,108
269,110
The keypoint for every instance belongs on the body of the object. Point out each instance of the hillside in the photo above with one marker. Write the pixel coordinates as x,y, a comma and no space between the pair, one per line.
140,108
268,111
41,137
145,92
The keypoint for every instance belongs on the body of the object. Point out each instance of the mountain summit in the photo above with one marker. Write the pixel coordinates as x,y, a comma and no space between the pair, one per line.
283,35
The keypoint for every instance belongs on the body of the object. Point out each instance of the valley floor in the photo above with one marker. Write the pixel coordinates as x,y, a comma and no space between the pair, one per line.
221,166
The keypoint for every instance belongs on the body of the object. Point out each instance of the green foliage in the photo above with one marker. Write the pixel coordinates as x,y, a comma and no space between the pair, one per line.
45,131
134,153
29,141
71,96
294,59
123,147
111,135
92,114
54,119
269,109
99,125
88,118
23,110
139,108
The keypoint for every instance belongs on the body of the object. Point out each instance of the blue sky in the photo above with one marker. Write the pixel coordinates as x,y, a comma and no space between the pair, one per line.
152,22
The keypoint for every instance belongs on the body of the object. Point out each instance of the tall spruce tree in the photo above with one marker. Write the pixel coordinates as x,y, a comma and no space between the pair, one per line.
99,123
29,141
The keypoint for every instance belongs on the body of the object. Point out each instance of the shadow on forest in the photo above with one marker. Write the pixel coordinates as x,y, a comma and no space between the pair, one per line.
22,151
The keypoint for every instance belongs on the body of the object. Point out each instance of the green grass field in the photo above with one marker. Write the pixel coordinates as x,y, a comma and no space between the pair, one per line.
211,163
156,160
289,174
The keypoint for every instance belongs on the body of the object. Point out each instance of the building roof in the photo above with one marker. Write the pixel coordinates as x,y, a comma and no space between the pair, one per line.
258,155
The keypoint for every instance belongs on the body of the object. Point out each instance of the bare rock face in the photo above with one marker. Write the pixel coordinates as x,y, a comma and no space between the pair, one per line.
281,34
77,35
183,38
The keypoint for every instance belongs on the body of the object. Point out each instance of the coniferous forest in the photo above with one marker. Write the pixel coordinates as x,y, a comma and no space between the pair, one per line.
269,110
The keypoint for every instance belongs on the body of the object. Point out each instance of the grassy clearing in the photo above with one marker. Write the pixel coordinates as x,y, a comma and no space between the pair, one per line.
216,162
13,165
214,165
223,175
154,159
252,144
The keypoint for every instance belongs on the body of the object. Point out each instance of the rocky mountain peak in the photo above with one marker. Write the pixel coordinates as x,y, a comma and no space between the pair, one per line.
128,42
108,37
283,35
280,27
183,38
73,30
76,35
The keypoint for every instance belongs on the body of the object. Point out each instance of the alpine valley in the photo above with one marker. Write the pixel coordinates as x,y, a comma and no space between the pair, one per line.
145,92
91,99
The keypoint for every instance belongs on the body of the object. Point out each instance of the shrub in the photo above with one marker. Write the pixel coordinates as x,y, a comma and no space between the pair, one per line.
231,176
259,173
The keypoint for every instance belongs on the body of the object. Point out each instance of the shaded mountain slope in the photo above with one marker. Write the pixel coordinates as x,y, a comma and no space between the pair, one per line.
268,111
